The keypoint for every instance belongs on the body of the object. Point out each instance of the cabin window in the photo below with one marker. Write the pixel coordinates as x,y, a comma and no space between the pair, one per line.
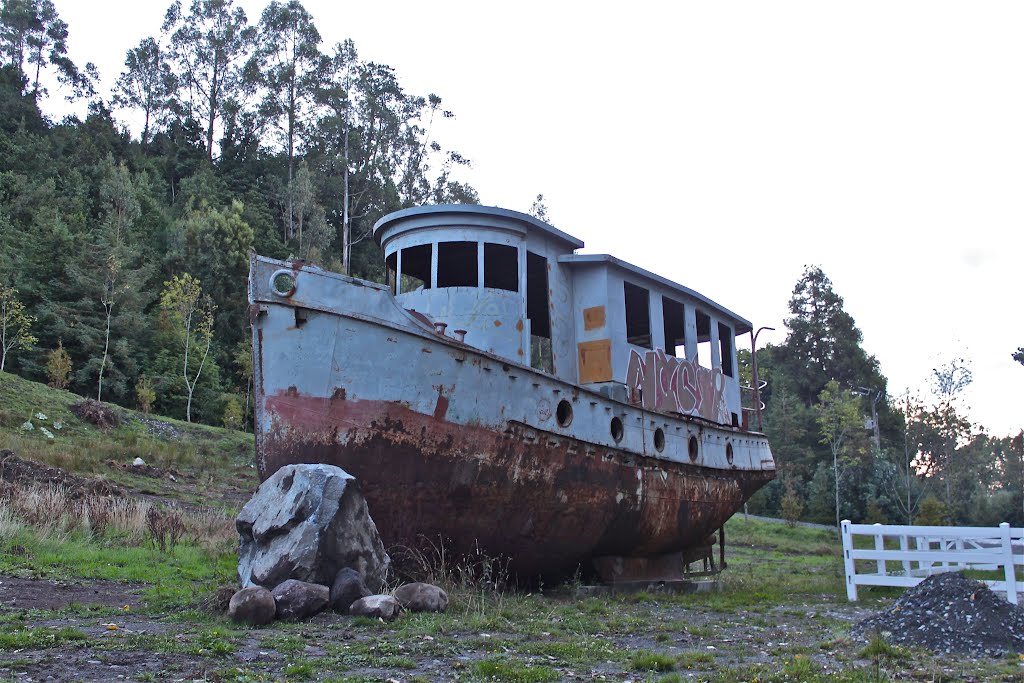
704,339
675,327
638,315
725,348
457,264
538,312
416,268
501,267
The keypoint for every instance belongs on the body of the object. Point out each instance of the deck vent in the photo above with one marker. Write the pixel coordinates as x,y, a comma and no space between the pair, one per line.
563,413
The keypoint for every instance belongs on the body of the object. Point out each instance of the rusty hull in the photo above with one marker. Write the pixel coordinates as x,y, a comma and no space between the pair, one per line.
546,502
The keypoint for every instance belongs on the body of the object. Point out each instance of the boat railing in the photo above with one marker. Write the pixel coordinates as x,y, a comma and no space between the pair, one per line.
751,403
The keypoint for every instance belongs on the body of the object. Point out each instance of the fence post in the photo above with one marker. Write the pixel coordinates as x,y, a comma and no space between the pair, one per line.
1009,564
879,545
905,546
850,568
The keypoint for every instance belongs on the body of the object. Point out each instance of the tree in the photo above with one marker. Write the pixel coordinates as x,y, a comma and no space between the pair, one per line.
288,67
58,367
939,432
823,341
1018,355
838,415
191,314
146,84
31,31
14,324
208,47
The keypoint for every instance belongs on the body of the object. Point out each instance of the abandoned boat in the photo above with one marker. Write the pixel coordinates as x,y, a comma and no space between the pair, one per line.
505,393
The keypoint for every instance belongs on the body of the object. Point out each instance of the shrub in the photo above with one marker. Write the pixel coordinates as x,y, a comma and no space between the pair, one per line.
792,505
146,394
232,413
58,367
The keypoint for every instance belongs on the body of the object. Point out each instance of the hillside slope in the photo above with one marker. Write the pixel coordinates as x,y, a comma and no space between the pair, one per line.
185,463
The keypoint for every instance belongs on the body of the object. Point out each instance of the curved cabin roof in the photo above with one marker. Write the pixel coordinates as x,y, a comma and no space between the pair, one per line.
742,325
465,216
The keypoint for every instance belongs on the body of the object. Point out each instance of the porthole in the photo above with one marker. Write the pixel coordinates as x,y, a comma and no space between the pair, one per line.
283,282
728,453
616,428
563,413
692,448
659,439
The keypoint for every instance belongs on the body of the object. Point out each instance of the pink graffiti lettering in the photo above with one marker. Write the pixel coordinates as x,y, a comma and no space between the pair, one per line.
668,384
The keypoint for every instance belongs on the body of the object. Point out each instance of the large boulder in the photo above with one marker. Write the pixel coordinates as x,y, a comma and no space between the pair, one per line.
299,599
253,605
422,597
307,522
348,587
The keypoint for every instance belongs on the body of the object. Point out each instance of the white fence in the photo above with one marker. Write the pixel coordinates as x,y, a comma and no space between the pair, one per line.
927,550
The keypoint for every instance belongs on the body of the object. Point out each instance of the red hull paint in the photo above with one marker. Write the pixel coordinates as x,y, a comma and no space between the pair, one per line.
546,502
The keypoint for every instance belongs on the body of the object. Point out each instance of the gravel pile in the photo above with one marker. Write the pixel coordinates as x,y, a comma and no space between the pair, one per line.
950,613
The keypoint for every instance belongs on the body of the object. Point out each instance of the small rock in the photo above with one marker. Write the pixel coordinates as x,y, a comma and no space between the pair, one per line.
138,462
385,607
422,597
300,600
27,426
40,416
253,605
46,432
348,587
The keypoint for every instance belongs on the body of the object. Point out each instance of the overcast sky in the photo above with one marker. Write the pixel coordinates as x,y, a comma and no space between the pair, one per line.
726,145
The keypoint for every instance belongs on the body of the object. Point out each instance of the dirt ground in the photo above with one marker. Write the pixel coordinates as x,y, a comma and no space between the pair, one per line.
141,648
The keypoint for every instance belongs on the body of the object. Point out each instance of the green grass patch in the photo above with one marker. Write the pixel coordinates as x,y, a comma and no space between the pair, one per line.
495,669
651,661
40,638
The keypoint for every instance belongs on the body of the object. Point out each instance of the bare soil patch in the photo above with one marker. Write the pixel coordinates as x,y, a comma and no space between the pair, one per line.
37,594
27,473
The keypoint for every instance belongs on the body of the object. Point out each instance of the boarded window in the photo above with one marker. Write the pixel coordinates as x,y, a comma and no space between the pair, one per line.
638,315
501,267
704,339
675,326
537,311
725,347
457,264
416,268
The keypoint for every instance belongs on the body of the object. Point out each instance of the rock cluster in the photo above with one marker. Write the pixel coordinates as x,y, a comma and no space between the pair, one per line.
307,543
953,614
308,522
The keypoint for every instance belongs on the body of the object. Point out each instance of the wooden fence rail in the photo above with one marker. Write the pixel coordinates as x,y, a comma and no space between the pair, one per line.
914,553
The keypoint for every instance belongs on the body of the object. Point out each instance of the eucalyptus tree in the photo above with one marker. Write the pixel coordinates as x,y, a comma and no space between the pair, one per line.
209,46
146,84
34,38
288,70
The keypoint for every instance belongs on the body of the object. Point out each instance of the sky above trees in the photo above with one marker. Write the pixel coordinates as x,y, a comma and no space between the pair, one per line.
726,146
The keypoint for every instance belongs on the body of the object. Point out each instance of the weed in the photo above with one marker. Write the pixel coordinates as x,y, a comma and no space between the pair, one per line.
651,661
165,527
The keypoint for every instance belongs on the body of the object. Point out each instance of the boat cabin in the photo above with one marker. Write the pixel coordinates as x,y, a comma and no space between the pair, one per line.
514,286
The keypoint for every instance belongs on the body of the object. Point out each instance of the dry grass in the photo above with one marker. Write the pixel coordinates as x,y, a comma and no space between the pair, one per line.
50,509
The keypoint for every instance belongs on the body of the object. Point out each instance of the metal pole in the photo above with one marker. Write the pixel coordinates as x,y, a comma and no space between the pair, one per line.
755,380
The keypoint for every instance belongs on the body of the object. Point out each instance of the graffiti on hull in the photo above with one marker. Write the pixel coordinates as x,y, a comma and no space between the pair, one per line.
668,384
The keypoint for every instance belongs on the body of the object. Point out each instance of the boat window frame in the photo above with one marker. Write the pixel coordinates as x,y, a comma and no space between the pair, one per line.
638,325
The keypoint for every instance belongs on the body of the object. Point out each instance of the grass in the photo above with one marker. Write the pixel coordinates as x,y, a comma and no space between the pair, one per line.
777,576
